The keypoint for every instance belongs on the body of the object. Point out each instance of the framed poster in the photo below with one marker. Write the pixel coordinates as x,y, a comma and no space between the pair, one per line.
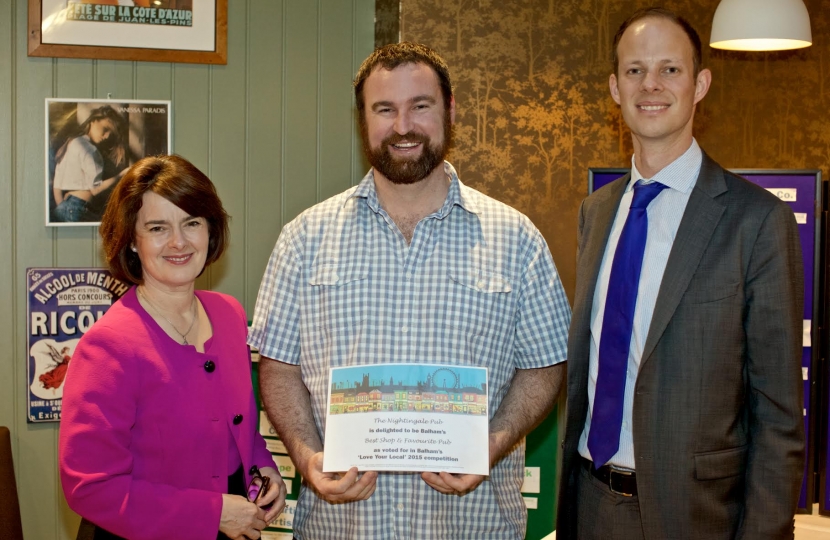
90,144
62,304
192,31
801,189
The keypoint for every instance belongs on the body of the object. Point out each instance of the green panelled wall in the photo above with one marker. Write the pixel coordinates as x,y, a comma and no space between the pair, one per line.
274,129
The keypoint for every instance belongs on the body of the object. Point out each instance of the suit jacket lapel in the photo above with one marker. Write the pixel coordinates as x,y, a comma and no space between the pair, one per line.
698,224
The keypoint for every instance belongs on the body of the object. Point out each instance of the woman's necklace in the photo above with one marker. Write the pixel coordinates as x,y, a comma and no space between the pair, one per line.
157,310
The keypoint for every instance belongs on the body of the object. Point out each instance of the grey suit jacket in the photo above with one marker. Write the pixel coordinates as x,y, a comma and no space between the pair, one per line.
718,426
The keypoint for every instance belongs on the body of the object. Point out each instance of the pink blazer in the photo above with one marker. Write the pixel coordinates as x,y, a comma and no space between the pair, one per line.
145,428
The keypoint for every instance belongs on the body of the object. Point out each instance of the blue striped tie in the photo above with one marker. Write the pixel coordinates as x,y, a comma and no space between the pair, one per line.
617,322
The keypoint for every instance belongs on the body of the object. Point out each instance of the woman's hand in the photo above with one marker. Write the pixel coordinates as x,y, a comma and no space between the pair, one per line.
276,493
240,517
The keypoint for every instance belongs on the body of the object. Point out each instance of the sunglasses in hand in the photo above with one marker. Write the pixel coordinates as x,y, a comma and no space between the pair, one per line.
258,487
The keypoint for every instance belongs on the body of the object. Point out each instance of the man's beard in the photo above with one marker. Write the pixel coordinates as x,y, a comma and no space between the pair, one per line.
408,171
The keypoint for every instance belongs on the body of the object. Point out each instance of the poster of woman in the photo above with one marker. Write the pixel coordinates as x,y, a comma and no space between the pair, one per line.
89,145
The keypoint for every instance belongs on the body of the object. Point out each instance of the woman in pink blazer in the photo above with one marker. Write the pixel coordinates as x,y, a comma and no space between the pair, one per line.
158,433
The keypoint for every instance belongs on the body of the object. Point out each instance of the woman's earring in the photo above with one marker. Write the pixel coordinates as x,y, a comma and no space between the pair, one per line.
134,249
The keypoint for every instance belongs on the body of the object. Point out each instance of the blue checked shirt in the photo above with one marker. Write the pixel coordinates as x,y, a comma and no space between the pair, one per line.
476,287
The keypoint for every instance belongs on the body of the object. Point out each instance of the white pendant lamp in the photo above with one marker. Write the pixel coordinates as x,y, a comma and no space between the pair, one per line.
761,25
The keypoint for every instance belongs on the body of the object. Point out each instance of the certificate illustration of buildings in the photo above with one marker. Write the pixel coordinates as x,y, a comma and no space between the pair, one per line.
407,417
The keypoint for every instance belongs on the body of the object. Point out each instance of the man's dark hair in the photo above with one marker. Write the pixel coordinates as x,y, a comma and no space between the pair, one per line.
397,54
661,13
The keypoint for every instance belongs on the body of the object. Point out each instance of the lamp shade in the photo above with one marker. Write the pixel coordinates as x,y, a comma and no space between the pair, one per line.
761,25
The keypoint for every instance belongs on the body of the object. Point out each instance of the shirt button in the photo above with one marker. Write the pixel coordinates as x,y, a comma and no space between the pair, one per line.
404,329
625,425
480,284
400,506
210,366
237,419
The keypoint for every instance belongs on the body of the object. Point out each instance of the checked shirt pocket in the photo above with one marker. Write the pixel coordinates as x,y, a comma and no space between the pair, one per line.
483,282
477,300
479,310
339,307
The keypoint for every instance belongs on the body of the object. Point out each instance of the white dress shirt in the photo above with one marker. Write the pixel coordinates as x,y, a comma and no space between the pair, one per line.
664,215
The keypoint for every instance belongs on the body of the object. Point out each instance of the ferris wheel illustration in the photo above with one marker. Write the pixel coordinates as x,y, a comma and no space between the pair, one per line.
445,378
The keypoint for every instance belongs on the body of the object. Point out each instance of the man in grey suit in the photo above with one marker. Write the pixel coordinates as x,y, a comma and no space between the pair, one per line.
695,429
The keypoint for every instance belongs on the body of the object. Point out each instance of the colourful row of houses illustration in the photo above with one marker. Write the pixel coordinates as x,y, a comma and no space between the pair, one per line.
365,397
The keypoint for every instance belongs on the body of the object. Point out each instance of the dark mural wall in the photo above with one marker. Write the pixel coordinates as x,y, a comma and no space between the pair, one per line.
534,112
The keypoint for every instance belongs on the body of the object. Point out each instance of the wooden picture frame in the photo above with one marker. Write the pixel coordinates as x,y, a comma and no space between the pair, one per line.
113,51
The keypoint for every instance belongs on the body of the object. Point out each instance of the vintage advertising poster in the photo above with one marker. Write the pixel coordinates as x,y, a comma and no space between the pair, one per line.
407,417
160,12
157,24
90,144
62,304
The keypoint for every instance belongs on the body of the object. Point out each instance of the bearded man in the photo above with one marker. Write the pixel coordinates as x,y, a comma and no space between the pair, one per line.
410,266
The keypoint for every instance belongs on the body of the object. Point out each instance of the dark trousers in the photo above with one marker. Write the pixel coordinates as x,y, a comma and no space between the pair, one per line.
604,515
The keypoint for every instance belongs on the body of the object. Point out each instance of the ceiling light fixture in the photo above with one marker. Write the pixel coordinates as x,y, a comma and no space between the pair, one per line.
761,25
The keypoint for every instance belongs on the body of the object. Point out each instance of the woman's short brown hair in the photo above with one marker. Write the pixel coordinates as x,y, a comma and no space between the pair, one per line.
178,181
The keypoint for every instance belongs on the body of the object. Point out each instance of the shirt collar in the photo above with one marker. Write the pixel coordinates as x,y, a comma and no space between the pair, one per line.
458,195
681,174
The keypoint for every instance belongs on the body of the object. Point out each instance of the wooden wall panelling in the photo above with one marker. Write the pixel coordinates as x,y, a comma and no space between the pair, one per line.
227,156
337,129
363,44
337,122
8,390
300,102
265,136
35,458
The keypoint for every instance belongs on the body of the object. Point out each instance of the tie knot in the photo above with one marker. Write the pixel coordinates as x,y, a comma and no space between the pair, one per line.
645,193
